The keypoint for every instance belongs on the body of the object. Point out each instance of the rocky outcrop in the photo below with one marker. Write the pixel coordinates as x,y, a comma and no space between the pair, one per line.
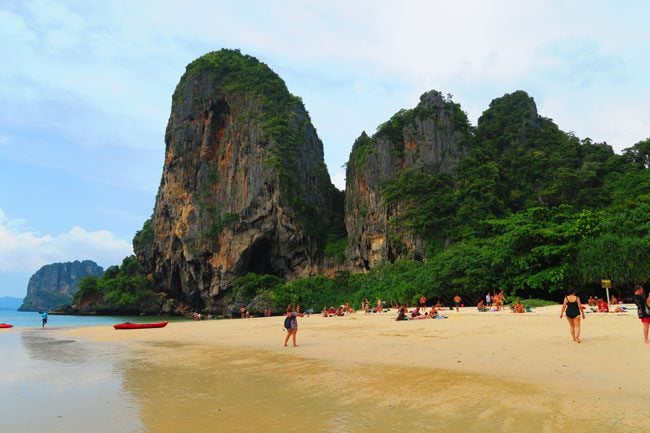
244,185
55,285
427,138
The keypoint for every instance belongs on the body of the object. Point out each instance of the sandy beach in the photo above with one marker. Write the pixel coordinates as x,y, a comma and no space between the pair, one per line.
480,371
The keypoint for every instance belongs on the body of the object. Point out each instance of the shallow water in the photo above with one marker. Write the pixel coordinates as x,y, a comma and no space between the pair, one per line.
31,319
60,385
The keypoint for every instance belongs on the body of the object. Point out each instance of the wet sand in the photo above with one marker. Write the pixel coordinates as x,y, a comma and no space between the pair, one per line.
471,372
49,383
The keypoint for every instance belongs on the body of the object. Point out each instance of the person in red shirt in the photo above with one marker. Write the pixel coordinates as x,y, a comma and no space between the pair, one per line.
602,306
423,301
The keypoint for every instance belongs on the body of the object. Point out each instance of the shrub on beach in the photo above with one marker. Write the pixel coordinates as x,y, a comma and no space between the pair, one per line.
534,303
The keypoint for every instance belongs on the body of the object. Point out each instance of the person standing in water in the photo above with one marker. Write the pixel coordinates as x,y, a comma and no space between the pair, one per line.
643,310
43,319
573,309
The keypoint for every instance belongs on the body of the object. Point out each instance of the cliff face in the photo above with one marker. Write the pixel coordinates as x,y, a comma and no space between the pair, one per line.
427,139
244,185
55,285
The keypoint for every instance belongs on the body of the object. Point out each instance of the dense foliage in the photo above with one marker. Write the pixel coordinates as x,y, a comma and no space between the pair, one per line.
143,238
528,209
122,287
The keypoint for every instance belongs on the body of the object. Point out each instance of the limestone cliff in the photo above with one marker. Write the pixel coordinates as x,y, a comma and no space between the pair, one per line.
244,185
427,138
55,284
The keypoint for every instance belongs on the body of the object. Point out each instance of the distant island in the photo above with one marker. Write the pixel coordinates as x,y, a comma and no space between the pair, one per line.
54,285
7,303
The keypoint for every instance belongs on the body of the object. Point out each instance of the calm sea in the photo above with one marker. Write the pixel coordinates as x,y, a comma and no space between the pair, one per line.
31,319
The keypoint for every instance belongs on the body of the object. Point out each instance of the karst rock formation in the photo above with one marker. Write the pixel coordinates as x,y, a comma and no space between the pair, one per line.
244,185
426,139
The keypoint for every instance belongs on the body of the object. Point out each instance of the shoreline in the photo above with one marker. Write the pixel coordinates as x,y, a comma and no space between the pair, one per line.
494,355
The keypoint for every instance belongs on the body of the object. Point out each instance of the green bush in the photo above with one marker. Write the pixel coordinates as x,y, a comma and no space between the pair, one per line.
534,303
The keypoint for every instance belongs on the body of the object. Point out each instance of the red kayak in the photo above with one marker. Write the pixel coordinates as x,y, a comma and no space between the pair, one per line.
128,325
6,325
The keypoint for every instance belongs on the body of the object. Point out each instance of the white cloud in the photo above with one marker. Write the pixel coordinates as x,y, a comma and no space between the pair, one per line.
23,250
338,179
103,72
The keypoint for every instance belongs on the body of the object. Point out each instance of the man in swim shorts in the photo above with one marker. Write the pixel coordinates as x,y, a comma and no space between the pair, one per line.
457,301
643,310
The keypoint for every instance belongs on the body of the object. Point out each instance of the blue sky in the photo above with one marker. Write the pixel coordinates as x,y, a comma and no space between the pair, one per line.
85,91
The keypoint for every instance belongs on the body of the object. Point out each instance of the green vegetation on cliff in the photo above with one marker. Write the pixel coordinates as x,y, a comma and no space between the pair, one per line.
404,121
528,208
284,119
143,238
121,289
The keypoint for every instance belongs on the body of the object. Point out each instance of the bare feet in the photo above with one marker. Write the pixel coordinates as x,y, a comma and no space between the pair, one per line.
577,340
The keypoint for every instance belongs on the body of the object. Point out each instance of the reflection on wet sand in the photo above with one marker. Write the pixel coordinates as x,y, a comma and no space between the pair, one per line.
61,385
39,346
205,389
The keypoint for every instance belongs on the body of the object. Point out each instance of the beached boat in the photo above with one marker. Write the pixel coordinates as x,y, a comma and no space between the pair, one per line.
6,325
128,325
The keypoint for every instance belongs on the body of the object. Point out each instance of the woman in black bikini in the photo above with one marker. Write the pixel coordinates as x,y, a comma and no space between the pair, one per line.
573,309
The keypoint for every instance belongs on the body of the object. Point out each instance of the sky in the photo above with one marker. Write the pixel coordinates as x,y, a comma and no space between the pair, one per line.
85,91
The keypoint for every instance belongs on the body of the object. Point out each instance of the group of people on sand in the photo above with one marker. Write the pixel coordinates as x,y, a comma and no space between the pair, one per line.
340,311
367,309
492,301
416,314
572,308
600,305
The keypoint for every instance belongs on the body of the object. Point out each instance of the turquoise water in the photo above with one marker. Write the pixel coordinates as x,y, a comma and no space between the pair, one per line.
31,319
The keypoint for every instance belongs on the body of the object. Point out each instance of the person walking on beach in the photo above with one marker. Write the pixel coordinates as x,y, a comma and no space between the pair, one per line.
457,301
643,310
43,319
291,325
573,309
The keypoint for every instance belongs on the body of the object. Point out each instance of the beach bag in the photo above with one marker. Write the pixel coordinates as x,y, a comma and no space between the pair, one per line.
287,322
